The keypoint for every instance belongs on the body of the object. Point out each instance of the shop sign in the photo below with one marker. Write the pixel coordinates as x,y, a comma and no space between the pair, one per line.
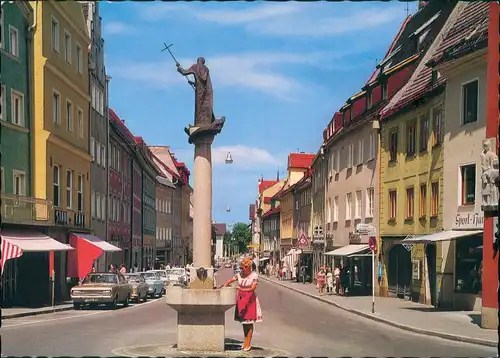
465,221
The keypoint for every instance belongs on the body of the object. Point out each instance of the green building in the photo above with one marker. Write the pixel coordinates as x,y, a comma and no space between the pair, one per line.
16,59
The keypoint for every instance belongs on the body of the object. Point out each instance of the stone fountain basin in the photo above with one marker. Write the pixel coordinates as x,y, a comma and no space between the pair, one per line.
200,317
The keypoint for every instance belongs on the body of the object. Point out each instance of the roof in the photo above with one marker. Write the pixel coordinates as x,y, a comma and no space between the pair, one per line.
281,191
270,212
220,229
121,124
300,160
265,184
469,28
165,156
421,83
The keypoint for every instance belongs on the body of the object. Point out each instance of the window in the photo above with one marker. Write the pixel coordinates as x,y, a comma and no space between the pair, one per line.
56,173
370,202
410,203
393,146
55,35
434,199
93,96
468,174
92,147
118,161
69,117
373,146
2,180
438,127
468,264
392,204
103,155
350,155
360,151
69,189
92,204
359,205
98,152
1,30
423,200
79,122
424,133
56,107
348,207
80,194
67,46
13,41
17,107
98,206
101,103
384,91
103,207
470,94
19,182
411,136
79,59
329,211
337,161
3,107
336,209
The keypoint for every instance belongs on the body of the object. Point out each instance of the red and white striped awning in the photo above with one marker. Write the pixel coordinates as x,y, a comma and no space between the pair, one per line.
14,243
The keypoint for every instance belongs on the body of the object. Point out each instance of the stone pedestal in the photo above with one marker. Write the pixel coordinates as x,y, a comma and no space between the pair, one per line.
201,317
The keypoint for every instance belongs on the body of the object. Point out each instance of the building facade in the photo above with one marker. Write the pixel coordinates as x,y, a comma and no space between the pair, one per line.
183,240
136,244
98,130
220,232
119,223
61,166
462,59
302,228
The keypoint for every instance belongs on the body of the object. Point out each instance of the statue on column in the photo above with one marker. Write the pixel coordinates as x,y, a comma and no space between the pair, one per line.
204,118
489,178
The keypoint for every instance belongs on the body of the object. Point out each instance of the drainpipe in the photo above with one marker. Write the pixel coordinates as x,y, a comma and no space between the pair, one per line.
29,41
108,159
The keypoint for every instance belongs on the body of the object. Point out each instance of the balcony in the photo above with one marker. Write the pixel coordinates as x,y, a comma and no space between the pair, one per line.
23,210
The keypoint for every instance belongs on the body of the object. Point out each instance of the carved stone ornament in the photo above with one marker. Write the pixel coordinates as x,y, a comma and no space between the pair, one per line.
489,177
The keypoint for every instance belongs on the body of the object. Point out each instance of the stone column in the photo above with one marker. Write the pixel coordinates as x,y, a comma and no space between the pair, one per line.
202,198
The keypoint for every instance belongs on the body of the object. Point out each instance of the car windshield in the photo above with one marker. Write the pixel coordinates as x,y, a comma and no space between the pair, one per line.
161,273
150,276
100,278
133,278
177,272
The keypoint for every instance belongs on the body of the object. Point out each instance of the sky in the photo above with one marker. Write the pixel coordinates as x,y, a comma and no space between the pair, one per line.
279,73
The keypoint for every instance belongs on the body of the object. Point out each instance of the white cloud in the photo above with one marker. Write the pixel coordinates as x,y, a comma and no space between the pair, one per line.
258,71
117,28
290,19
243,156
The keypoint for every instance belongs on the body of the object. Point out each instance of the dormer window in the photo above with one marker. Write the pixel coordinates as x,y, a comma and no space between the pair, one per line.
384,91
368,99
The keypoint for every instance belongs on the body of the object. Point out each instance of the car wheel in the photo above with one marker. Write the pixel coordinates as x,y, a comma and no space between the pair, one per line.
145,297
127,301
77,306
137,299
160,295
114,304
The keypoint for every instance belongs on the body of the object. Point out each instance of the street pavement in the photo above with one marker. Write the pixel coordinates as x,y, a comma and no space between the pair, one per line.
292,322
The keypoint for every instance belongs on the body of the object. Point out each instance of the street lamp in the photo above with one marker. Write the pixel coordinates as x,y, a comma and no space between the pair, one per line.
228,209
229,158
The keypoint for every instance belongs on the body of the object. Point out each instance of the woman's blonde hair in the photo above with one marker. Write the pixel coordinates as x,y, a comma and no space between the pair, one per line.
246,263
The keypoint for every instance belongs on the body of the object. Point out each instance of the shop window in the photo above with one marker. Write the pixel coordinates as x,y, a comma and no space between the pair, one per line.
469,264
434,198
468,180
392,204
410,203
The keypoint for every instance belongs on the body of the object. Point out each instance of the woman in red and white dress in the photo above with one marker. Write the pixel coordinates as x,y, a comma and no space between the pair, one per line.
247,310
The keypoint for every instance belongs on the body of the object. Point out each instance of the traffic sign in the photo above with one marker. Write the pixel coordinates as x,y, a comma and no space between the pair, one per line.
372,243
302,241
365,229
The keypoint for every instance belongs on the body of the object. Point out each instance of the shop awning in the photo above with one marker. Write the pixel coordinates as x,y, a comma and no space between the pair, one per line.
439,236
100,243
33,241
347,250
264,259
293,252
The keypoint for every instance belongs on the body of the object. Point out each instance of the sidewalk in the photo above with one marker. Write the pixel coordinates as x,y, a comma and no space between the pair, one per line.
414,317
17,312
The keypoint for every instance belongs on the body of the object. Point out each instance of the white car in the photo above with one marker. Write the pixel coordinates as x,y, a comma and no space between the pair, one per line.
163,277
176,276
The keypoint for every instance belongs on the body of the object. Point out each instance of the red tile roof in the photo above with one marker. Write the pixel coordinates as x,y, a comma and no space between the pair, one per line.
272,211
220,229
471,25
267,199
265,184
300,160
114,118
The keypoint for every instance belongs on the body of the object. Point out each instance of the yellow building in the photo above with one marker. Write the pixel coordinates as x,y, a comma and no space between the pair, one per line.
411,177
61,111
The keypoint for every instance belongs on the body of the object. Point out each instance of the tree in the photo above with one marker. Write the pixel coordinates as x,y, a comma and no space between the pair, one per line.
242,235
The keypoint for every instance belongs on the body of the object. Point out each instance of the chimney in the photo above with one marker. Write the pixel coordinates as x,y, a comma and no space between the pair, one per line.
278,175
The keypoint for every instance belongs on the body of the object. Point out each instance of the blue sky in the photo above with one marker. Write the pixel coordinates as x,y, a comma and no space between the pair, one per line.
279,72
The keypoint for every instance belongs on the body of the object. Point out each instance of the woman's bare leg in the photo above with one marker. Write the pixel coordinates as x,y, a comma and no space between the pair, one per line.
248,335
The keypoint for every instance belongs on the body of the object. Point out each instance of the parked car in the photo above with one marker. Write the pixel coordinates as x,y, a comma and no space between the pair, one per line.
163,277
102,288
139,287
176,276
154,282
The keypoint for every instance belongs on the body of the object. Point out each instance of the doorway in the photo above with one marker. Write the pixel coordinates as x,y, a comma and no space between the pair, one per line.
399,272
430,253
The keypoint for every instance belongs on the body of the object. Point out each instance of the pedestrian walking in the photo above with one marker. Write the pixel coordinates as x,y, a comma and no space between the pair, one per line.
320,281
336,276
294,273
284,272
329,280
247,310
303,273
123,269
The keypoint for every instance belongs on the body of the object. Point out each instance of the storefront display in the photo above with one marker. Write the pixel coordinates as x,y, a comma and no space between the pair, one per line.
468,264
